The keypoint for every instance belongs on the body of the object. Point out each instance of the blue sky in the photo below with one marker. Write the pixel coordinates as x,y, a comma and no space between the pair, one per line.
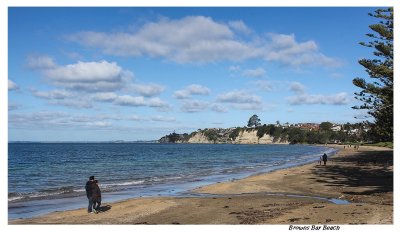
99,74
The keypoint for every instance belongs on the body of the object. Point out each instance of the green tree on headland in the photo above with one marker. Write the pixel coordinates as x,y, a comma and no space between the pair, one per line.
377,96
211,135
325,126
234,133
254,121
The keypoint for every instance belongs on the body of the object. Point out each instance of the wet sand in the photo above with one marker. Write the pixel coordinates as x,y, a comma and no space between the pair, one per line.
364,177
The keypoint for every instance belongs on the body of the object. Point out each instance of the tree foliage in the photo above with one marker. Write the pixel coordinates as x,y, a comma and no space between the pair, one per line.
254,121
235,133
173,137
264,129
211,135
377,96
325,126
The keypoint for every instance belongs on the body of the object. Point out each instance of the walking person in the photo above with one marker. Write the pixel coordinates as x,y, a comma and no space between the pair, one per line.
324,158
89,193
96,197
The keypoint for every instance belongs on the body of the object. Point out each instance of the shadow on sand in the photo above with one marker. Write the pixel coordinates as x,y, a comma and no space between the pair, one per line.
368,171
105,208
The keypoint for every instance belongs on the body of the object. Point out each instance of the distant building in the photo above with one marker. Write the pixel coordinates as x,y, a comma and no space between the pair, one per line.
354,131
308,126
286,125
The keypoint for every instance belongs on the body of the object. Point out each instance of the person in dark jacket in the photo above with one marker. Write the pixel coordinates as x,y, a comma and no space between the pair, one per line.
89,192
96,197
324,158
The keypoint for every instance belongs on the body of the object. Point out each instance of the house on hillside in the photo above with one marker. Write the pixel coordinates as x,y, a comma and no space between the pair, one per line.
336,128
308,126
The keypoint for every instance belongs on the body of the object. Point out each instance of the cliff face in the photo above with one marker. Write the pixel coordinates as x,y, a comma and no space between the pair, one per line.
248,136
199,138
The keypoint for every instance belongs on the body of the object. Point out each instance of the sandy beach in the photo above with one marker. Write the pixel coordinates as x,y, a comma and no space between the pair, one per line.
363,177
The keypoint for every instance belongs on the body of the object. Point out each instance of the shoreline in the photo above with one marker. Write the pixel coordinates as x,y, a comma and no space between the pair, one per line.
21,209
246,201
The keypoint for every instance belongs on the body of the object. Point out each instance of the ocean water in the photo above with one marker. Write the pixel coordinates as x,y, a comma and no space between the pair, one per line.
47,177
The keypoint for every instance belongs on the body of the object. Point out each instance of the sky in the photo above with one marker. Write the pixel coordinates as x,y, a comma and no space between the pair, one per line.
137,73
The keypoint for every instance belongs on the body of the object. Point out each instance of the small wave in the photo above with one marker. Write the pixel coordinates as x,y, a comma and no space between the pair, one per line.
173,178
15,198
139,182
45,193
127,183
61,190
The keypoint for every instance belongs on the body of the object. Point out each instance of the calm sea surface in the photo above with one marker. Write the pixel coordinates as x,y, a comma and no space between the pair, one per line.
45,177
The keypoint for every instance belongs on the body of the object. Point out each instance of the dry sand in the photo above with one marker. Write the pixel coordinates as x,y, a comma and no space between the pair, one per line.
364,177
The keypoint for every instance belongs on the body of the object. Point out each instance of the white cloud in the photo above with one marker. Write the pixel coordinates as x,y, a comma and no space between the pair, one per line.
198,39
81,100
126,100
12,85
239,96
239,26
64,98
307,99
301,97
89,76
158,103
297,87
148,90
105,97
85,82
86,72
285,49
181,94
101,76
98,124
40,62
159,118
135,118
56,120
265,85
54,94
219,108
190,39
234,68
192,90
73,103
258,72
192,106
241,100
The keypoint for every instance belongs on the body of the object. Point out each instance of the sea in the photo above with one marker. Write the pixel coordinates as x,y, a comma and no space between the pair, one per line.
49,177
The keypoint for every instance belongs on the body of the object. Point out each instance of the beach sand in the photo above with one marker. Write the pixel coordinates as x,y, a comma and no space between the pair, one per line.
364,177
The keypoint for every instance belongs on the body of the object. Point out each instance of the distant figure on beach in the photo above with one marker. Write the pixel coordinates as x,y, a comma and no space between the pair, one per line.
320,160
89,187
324,158
96,197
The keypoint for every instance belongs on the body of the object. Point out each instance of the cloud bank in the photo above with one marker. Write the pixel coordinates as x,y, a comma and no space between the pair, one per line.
199,39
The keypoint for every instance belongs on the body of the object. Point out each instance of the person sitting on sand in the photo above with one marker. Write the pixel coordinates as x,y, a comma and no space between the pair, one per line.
96,197
89,192
324,158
